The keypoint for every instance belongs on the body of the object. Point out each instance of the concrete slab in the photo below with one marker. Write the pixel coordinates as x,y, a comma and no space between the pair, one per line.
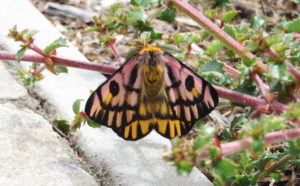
10,89
32,154
129,163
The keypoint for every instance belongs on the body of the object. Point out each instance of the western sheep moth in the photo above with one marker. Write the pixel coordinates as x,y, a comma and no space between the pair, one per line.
151,90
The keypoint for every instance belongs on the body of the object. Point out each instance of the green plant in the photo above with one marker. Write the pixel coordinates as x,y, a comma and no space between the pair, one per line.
254,69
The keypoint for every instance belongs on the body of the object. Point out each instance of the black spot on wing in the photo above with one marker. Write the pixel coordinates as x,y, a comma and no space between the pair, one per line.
114,88
189,83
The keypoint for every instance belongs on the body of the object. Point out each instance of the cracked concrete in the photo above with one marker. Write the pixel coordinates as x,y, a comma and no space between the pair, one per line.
31,153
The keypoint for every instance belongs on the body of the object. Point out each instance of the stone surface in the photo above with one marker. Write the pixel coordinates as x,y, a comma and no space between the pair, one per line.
32,154
9,88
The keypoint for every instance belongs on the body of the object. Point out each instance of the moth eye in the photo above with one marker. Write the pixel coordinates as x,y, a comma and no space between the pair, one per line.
114,88
189,83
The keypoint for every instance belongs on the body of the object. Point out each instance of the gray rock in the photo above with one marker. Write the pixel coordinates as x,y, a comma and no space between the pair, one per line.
32,154
9,88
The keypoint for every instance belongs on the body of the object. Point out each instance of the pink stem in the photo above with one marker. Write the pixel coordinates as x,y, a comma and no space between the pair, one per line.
116,53
293,71
33,47
263,88
61,62
272,137
40,69
296,36
217,32
232,70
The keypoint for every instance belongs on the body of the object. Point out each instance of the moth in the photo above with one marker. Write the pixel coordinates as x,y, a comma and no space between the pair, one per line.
151,90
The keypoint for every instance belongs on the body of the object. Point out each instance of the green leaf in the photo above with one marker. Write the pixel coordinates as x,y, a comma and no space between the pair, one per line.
155,35
139,2
294,147
114,8
243,179
92,123
272,123
61,69
200,142
213,65
30,34
226,134
168,15
60,42
237,122
257,22
198,123
296,1
247,87
224,168
276,176
228,16
136,15
78,118
183,167
92,29
261,163
221,3
279,71
230,30
294,26
257,145
21,53
213,48
214,73
23,32
76,106
28,79
62,125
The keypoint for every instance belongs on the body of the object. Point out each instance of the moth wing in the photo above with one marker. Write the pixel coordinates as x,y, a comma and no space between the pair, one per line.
190,98
115,102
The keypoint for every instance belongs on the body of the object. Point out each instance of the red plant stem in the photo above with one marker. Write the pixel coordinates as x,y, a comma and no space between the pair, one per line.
213,29
107,69
40,69
263,88
116,53
232,70
296,36
38,50
272,137
217,32
247,99
33,47
293,71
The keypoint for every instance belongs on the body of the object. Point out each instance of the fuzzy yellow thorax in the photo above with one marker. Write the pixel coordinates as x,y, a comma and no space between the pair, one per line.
150,48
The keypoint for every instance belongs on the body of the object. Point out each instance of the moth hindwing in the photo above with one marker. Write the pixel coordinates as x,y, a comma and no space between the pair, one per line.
151,90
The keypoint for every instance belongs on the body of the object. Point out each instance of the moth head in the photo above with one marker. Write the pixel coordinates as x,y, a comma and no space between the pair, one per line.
150,48
151,55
